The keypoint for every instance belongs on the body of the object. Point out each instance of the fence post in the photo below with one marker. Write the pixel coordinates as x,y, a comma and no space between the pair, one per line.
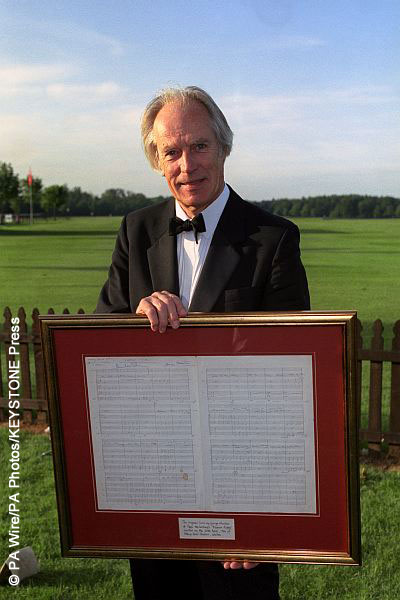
359,345
24,358
7,341
37,352
394,449
4,372
42,414
375,390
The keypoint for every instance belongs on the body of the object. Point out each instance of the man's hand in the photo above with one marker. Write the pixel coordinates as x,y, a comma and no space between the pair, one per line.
236,564
162,308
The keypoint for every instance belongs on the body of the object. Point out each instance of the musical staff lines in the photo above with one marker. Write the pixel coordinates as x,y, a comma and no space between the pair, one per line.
145,418
260,432
221,433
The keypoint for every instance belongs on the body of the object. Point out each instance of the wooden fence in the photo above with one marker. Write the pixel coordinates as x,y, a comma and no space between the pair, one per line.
376,355
35,409
32,394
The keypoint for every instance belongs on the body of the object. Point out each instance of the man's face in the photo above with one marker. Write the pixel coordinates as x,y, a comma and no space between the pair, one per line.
189,155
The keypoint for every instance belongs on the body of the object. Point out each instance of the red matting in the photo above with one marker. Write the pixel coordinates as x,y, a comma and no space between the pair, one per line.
326,532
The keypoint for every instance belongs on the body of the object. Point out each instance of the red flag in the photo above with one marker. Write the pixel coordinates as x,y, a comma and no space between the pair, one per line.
30,178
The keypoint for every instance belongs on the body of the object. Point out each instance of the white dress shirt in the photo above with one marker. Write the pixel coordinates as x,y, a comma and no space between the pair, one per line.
192,256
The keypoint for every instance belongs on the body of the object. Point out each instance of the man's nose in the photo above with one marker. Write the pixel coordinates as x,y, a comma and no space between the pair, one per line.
188,163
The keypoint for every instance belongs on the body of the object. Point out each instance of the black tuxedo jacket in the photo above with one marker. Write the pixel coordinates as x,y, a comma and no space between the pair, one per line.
253,262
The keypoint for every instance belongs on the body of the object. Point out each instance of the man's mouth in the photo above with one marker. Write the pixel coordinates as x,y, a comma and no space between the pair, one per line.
193,183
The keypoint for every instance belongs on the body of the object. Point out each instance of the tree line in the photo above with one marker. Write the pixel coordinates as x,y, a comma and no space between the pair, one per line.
62,200
349,206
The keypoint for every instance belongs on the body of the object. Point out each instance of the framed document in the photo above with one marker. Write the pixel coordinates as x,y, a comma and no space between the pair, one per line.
234,436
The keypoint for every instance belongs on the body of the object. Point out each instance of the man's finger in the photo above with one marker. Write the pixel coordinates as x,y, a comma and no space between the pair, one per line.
236,564
146,308
172,304
162,305
180,309
167,308
250,565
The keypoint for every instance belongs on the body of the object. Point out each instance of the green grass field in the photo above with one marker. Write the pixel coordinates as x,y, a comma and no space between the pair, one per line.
56,264
350,265
354,264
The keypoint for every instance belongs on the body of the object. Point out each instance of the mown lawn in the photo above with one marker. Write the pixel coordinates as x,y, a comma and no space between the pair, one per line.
108,579
56,264
354,264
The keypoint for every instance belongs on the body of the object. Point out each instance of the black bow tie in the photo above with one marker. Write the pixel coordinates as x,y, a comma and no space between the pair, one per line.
177,225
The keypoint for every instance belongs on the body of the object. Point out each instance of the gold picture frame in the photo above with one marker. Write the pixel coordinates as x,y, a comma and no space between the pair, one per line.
327,532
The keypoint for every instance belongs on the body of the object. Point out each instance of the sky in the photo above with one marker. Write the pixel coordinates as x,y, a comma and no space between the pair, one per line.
310,89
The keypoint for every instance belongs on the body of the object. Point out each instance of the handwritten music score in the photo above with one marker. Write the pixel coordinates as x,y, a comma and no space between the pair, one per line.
220,433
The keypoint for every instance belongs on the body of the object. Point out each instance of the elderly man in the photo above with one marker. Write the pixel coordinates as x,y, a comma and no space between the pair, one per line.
206,250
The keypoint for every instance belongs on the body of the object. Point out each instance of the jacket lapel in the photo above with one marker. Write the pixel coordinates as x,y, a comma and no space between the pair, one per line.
162,256
222,258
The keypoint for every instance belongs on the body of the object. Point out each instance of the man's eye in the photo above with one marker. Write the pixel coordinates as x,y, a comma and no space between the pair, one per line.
201,146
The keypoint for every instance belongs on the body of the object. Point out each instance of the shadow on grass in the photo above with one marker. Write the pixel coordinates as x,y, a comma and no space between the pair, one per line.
56,268
345,250
58,232
91,574
306,230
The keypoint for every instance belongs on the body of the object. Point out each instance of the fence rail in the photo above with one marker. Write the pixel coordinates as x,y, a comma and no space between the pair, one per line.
34,406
